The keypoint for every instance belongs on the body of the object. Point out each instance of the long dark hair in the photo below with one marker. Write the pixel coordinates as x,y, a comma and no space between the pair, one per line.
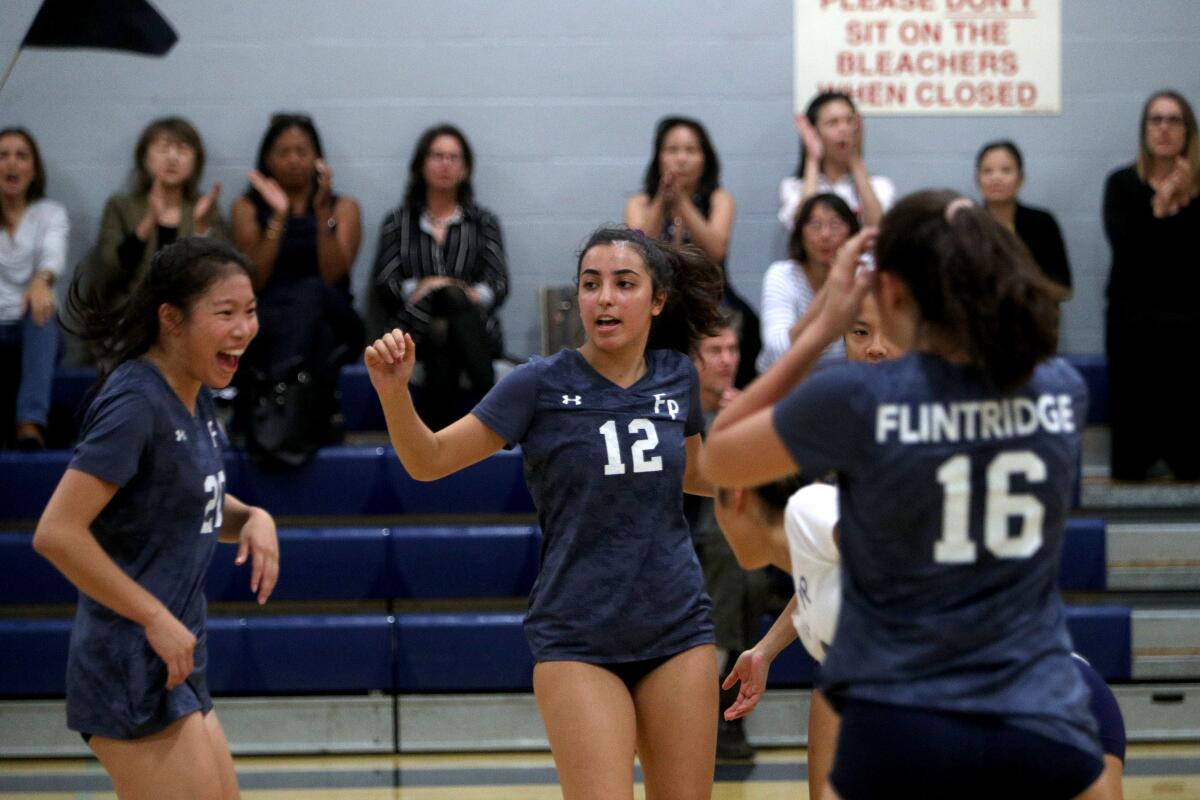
972,280
814,108
415,191
710,176
180,130
773,497
830,201
693,284
37,186
280,123
178,275
1001,144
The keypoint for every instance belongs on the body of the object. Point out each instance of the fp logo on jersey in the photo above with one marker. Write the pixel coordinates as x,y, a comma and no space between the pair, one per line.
672,405
576,400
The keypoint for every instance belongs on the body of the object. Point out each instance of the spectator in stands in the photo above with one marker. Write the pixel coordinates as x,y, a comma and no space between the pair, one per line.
303,238
1000,172
1152,219
440,274
163,204
682,202
618,620
33,250
740,597
831,160
136,517
823,224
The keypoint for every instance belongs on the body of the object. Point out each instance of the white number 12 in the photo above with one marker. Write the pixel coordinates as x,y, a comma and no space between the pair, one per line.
641,463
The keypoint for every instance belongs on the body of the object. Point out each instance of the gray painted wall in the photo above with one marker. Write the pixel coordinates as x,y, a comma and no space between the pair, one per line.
559,100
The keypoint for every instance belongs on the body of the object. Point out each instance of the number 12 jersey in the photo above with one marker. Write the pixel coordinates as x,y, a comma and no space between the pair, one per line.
619,579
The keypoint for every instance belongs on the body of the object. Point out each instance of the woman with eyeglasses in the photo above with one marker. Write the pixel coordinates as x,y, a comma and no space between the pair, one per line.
440,274
1152,220
164,203
823,223
303,238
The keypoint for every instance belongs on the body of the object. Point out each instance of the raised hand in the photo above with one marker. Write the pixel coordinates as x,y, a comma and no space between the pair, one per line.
856,152
259,542
837,305
323,199
751,670
174,644
203,207
668,189
156,211
814,148
271,191
389,361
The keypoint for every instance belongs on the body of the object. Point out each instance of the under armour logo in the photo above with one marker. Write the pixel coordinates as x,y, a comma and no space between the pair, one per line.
577,399
180,435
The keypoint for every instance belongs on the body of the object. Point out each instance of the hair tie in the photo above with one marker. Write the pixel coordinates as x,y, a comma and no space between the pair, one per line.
956,205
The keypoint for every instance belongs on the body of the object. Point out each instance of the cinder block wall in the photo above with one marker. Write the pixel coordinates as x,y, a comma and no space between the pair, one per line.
559,100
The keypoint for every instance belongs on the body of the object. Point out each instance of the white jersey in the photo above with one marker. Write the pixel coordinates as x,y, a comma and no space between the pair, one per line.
809,522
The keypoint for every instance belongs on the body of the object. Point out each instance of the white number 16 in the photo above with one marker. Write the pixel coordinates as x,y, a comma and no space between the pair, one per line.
1000,505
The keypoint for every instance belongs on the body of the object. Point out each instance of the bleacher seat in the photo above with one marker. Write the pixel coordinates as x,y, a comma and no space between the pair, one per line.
338,481
1084,562
347,653
1094,369
360,405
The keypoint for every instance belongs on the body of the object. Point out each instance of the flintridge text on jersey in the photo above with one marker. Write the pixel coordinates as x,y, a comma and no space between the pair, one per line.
967,421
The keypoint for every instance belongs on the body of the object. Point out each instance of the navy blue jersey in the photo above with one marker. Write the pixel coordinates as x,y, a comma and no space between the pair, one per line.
952,506
619,579
160,528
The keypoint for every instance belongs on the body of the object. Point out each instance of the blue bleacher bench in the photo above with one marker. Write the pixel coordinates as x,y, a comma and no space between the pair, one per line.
360,405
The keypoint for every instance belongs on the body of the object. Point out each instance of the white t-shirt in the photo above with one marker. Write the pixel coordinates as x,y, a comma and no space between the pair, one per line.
809,522
786,295
40,244
791,189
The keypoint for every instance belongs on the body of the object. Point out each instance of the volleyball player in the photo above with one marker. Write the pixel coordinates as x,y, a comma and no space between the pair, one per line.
618,620
956,463
136,517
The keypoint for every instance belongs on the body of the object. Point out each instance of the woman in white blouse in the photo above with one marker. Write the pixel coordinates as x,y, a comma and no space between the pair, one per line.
831,160
33,250
823,223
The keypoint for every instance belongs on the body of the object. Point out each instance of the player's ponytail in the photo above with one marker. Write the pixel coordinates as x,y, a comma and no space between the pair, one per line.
972,280
693,283
178,274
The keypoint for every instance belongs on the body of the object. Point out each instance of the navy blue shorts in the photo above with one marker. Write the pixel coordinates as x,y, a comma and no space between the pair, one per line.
632,672
1105,710
894,751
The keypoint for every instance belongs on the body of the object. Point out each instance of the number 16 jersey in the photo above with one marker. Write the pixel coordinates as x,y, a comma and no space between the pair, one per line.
619,579
952,503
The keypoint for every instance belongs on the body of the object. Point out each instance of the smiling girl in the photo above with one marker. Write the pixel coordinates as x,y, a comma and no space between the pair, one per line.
136,517
618,619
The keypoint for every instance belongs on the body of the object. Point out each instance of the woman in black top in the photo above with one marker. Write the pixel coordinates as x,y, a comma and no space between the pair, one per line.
1000,172
303,238
1152,220
682,202
440,274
